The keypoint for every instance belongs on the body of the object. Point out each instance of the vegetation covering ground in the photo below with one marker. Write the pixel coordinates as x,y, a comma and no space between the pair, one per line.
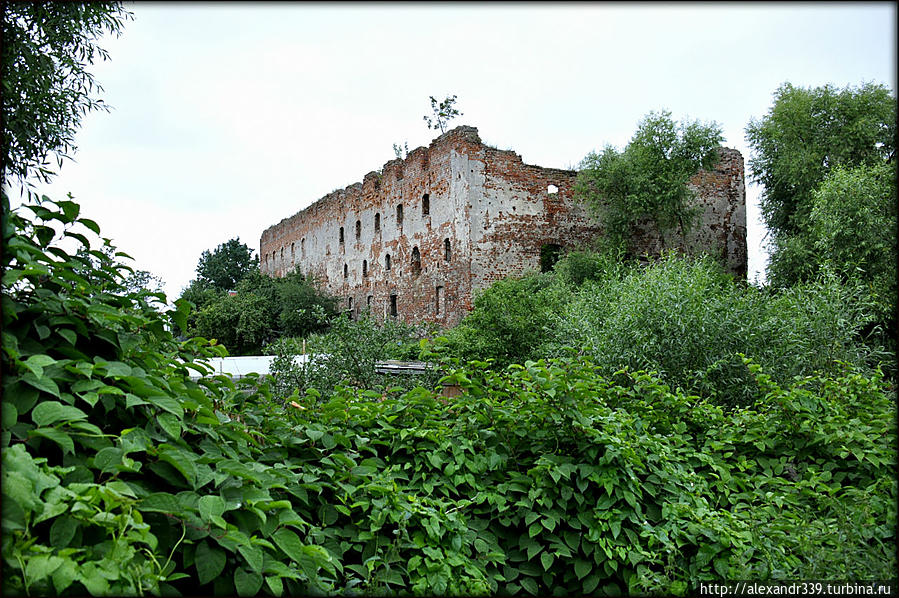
621,428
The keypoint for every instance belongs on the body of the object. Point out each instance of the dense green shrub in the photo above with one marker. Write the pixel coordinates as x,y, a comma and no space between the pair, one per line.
688,320
509,319
346,355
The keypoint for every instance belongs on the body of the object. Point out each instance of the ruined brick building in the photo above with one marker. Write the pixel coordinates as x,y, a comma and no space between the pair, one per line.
417,239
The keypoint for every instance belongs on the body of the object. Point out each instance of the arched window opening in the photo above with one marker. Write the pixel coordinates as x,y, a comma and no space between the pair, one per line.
377,223
364,267
358,229
387,262
302,247
416,261
393,310
346,271
399,215
447,250
549,255
341,234
425,205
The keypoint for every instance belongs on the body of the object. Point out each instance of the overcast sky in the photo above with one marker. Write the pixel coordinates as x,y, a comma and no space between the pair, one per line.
229,117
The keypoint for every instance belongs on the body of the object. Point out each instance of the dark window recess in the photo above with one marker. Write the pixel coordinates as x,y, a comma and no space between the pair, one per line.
447,250
341,234
387,262
416,261
364,267
349,303
358,229
399,215
393,311
368,302
549,255
303,247
346,271
425,205
377,223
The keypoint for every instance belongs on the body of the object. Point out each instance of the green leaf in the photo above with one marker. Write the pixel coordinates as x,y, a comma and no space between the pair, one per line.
247,583
45,384
547,559
253,556
275,585
211,506
290,543
167,403
529,585
62,531
8,414
41,566
171,424
210,562
49,412
582,568
591,583
57,436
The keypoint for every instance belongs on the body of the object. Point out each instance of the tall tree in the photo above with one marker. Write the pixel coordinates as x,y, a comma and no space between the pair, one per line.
226,265
648,180
47,89
805,135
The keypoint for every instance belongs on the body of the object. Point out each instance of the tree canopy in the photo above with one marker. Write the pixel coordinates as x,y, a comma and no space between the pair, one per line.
807,133
649,178
47,89
226,265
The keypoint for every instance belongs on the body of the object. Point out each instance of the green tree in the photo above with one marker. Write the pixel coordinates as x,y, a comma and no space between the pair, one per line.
852,228
805,135
443,111
648,180
226,265
47,89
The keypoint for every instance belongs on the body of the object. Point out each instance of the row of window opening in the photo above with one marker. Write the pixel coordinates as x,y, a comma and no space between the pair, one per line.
415,262
425,211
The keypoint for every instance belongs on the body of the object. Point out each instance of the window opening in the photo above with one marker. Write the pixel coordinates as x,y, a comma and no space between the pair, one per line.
341,234
416,261
358,229
425,205
364,267
387,262
377,223
399,215
368,302
447,250
551,189
393,311
346,271
303,247
549,255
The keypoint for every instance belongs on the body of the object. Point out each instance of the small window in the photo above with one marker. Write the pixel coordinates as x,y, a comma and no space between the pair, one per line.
358,229
349,303
399,215
393,311
368,302
447,250
439,301
364,267
377,223
425,205
341,234
293,251
416,261
303,247
549,255
282,254
551,189
346,271
387,262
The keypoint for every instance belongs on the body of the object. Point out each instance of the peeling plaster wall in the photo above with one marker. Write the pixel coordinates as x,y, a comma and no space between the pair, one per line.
496,213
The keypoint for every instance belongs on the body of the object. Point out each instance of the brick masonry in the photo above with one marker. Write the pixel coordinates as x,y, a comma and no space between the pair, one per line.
428,230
